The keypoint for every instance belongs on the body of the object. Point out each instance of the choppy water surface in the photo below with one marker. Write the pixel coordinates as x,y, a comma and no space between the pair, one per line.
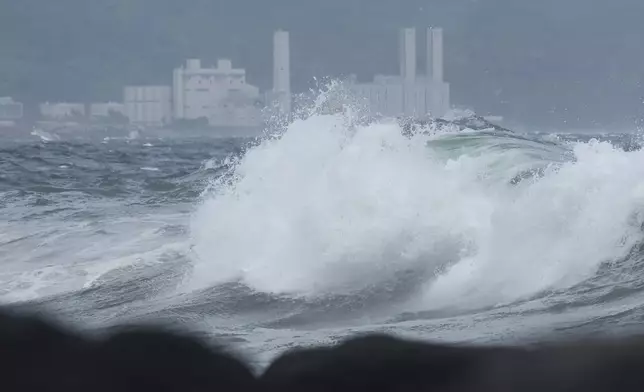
329,230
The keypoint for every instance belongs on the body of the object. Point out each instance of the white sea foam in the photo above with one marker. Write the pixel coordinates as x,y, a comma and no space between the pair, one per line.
335,205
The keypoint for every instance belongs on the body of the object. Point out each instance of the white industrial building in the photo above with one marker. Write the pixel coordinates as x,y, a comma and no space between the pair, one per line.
219,94
409,94
62,110
148,105
10,110
105,109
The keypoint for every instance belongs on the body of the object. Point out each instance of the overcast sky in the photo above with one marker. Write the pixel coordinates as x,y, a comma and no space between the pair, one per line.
551,62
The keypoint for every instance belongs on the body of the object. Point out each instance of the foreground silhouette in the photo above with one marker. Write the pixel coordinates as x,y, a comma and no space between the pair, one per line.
36,355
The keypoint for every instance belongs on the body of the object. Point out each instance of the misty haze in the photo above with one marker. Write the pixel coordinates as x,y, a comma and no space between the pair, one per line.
280,173
570,63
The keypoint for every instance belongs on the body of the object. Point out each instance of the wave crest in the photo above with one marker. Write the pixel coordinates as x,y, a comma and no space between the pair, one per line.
334,206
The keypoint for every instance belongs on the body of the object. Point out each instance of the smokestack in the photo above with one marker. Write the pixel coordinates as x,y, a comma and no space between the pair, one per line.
408,54
435,54
282,71
437,97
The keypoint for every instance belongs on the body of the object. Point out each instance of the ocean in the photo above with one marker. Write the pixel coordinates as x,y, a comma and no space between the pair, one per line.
331,229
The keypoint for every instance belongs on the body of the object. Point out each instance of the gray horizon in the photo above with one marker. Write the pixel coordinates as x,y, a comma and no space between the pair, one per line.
572,63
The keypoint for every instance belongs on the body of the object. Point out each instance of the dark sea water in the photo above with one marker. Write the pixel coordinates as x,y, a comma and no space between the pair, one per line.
330,230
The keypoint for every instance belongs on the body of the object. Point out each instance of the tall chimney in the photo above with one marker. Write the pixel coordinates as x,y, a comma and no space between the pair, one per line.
435,54
282,71
437,96
408,54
